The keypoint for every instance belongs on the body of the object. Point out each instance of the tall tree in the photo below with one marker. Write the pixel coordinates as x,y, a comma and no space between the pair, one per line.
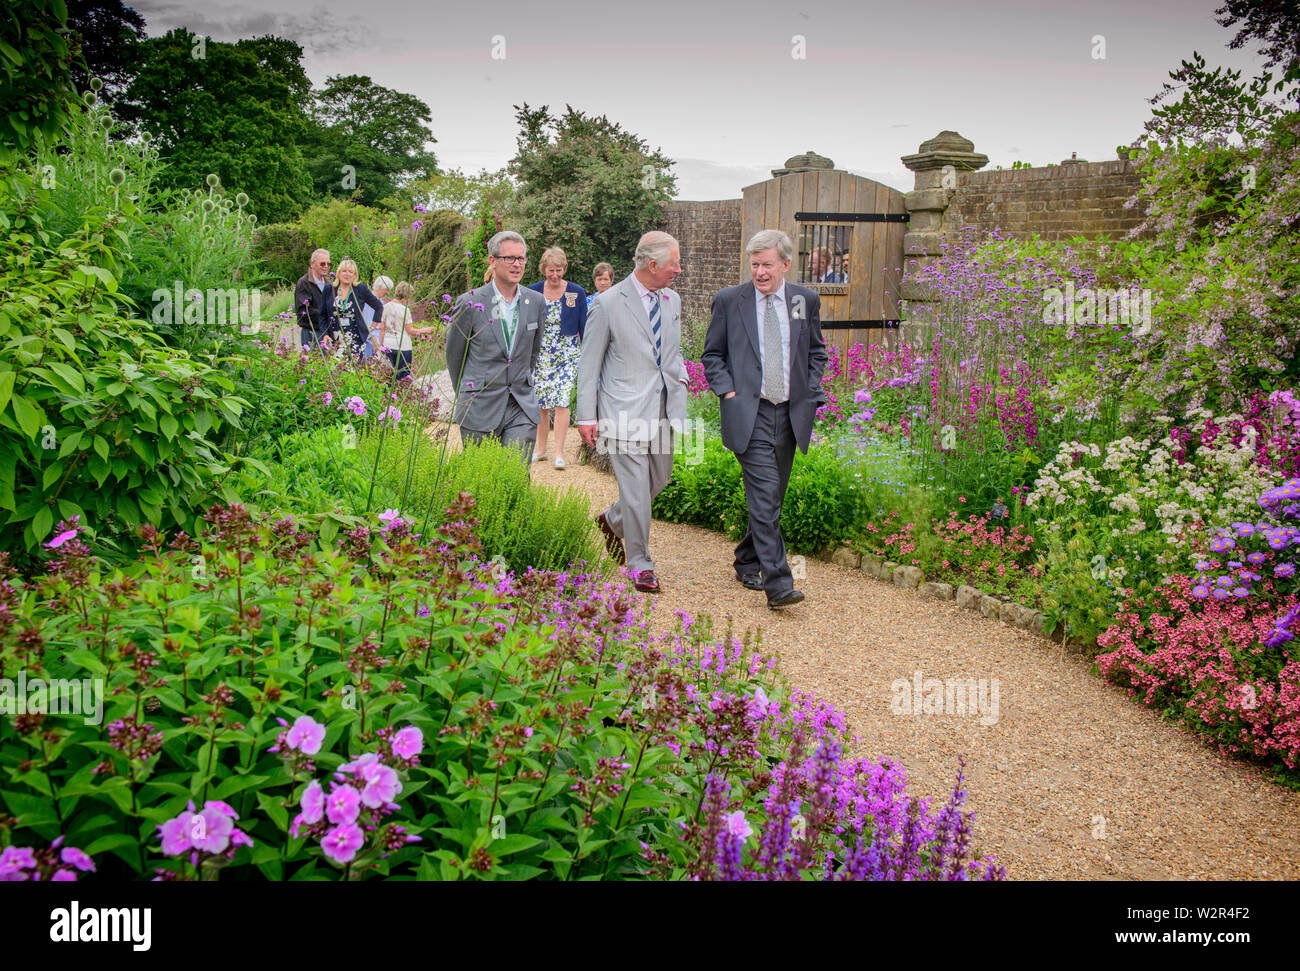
233,109
1274,24
587,186
35,72
108,34
366,140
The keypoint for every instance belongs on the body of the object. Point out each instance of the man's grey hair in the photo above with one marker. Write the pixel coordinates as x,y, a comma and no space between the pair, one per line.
382,283
766,239
316,254
494,244
654,246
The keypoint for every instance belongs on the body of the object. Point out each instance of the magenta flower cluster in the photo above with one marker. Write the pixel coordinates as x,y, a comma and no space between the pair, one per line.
54,863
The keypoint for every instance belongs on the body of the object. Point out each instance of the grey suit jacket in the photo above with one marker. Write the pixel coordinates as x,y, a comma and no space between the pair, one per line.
731,361
484,373
618,350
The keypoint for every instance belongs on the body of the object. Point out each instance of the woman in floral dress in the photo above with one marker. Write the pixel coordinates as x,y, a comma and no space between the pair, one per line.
557,365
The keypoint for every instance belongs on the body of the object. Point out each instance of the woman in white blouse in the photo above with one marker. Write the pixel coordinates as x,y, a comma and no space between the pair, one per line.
397,328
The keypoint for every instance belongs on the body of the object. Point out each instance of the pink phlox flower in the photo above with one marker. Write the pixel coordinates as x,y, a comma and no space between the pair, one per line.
306,735
342,842
737,825
381,785
343,805
408,742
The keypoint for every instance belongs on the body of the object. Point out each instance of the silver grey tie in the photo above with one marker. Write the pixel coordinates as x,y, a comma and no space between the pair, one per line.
773,365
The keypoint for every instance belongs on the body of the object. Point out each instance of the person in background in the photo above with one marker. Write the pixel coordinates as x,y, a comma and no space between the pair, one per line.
382,286
603,277
493,344
396,328
350,297
844,267
313,301
566,320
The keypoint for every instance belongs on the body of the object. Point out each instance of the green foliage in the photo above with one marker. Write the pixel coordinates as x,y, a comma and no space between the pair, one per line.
100,419
823,504
587,186
439,258
366,140
521,733
526,524
36,63
465,194
371,237
314,472
197,240
237,110
106,35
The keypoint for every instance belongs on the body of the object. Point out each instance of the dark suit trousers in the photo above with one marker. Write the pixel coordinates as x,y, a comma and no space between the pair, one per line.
765,465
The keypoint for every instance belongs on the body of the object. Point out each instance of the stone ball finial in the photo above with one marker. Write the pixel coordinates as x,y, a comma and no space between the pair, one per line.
948,141
807,162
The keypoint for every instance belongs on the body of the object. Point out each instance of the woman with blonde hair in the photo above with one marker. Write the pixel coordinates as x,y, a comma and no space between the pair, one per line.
557,366
350,297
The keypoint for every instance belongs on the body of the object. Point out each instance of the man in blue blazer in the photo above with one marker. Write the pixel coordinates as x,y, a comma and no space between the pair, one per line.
764,358
493,344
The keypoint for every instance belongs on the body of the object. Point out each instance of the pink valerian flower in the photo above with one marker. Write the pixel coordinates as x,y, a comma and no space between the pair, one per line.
355,404
393,412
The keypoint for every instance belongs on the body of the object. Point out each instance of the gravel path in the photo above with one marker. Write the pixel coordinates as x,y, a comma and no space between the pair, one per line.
1068,760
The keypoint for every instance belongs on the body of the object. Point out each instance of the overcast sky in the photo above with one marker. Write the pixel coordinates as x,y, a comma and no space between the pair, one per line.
715,86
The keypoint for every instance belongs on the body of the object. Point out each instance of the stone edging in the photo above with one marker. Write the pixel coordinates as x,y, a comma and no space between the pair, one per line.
972,598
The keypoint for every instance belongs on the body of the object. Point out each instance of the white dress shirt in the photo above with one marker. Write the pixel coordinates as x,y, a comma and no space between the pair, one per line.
783,316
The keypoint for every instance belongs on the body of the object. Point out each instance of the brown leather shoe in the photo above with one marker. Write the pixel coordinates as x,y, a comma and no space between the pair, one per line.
612,542
647,582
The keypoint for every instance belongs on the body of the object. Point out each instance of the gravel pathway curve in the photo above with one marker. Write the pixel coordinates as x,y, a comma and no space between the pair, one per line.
1073,780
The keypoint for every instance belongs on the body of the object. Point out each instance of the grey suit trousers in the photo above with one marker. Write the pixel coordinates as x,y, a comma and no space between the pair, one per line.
642,472
765,467
516,429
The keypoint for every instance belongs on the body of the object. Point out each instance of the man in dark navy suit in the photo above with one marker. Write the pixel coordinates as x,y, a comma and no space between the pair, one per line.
764,358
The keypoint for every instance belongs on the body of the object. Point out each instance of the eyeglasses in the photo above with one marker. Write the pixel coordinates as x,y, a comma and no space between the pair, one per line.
511,259
325,265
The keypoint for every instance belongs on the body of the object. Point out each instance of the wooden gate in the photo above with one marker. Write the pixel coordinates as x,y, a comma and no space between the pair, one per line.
848,235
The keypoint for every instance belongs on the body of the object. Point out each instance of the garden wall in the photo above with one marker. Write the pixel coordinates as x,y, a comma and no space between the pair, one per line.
709,234
1057,202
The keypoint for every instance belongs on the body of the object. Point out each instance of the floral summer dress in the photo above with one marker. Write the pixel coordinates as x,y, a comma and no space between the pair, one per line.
557,365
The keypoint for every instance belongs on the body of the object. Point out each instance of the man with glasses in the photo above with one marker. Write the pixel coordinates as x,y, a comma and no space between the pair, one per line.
313,301
493,343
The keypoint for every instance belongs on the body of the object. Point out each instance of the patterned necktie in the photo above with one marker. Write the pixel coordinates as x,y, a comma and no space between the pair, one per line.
774,367
654,327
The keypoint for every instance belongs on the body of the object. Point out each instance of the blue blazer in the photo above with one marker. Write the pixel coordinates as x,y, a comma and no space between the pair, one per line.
573,319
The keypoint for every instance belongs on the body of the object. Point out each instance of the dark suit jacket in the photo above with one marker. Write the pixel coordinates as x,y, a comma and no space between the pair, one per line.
361,296
314,308
484,373
731,361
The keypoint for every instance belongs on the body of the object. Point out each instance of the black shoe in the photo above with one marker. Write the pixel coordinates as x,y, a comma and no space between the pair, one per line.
787,599
752,581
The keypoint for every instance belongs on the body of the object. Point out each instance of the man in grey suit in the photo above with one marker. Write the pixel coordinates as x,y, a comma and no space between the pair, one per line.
764,358
633,349
493,344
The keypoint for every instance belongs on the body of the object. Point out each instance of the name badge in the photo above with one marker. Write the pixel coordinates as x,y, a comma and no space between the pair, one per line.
532,325
570,299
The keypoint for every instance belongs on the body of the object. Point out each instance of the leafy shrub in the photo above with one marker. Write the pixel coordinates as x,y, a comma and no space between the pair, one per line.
198,240
823,504
99,419
477,728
